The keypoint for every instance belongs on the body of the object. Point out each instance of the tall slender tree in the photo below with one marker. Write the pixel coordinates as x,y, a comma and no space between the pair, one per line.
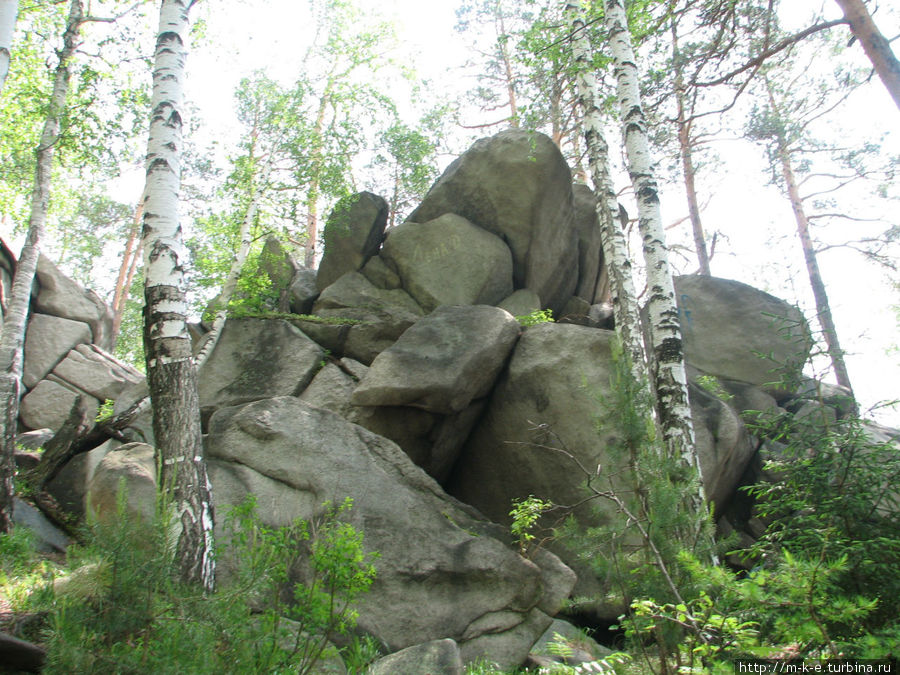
666,346
876,46
9,9
615,248
12,339
171,374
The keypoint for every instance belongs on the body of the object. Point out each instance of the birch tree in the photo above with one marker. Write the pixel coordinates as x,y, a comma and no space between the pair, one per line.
8,11
666,346
615,248
12,339
171,374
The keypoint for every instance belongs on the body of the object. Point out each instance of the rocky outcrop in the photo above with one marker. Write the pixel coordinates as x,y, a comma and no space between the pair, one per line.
517,186
353,233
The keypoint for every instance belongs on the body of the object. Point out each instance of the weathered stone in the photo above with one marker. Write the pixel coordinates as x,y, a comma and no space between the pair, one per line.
131,468
518,186
92,370
438,657
593,282
352,235
380,274
308,455
443,362
303,291
581,648
60,296
50,402
722,441
47,537
432,441
575,310
47,341
277,264
381,315
738,332
257,358
449,261
521,302
69,487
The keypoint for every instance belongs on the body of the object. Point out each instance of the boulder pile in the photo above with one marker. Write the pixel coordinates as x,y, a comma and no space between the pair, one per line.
403,380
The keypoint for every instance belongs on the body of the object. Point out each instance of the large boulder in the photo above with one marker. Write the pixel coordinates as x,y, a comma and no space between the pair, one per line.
378,316
441,571
352,235
47,341
58,295
738,332
438,657
443,362
449,261
593,282
518,186
49,404
92,370
257,358
431,440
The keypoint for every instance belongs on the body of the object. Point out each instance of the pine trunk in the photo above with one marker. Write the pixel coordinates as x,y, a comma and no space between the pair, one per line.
9,9
876,46
126,271
823,306
666,346
13,337
687,160
171,374
615,248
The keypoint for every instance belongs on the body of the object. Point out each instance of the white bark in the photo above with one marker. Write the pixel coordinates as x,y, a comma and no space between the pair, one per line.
666,344
13,337
9,9
615,248
170,367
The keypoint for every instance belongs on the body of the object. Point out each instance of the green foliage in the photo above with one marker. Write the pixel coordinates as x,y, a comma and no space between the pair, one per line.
535,317
105,411
711,384
122,611
525,515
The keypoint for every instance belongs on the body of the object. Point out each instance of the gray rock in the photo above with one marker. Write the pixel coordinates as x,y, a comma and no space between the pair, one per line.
48,339
432,441
278,265
441,573
352,235
47,537
69,486
257,358
381,315
443,362
521,302
32,440
438,657
60,296
516,185
303,291
131,468
727,325
593,281
92,370
380,274
722,442
583,648
449,261
48,405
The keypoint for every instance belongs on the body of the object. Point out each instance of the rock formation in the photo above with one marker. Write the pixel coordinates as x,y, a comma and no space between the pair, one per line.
413,380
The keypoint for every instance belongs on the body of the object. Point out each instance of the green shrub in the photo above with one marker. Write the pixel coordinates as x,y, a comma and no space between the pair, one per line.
133,617
535,317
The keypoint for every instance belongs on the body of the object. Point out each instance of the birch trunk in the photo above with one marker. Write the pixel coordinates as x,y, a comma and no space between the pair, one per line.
876,46
823,306
171,374
666,346
12,340
9,9
615,249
